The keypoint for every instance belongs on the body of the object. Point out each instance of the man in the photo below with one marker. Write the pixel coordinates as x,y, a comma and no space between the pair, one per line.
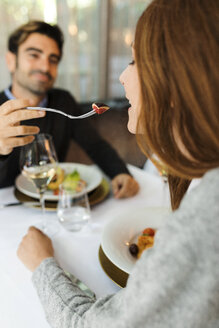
34,52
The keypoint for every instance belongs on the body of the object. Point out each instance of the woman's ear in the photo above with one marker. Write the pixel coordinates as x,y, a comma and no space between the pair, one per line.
11,61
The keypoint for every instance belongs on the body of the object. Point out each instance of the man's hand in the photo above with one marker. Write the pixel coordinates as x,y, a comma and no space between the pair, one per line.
12,134
34,248
124,185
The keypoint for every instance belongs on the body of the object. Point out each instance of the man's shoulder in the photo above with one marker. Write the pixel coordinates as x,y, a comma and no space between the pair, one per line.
3,97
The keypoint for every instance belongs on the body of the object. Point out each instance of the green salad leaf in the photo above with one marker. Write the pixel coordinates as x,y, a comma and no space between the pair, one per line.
71,180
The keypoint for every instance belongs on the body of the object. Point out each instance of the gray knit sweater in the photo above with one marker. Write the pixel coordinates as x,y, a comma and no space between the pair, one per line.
175,284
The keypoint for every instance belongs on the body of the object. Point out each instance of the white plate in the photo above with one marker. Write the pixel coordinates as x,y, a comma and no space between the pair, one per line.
88,173
125,229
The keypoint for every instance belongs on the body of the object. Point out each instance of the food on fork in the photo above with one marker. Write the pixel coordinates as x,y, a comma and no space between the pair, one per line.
100,108
145,241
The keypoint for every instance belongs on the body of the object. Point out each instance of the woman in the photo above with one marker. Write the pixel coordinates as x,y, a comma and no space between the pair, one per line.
172,87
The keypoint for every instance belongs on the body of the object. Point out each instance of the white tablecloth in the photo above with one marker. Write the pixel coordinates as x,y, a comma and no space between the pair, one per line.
76,252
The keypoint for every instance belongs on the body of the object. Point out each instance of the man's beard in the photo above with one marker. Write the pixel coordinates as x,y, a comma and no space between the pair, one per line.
38,88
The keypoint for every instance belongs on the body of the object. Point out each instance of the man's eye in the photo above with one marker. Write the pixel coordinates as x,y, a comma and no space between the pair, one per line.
132,62
54,61
33,55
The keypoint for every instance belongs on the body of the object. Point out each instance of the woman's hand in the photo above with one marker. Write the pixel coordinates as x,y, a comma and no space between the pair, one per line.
124,186
12,134
34,248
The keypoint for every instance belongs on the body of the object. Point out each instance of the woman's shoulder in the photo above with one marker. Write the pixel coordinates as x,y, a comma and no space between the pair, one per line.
196,220
205,195
212,176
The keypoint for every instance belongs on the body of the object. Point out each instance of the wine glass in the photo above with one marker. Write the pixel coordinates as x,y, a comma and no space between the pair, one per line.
38,162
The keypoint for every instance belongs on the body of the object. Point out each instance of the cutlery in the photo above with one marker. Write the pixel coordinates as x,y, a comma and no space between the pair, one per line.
98,108
92,112
19,203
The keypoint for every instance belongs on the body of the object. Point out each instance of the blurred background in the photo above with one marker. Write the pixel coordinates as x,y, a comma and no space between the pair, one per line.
98,35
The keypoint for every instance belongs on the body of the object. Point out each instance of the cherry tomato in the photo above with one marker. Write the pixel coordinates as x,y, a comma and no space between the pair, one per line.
149,232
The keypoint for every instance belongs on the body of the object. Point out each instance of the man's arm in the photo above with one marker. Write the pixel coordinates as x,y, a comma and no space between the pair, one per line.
14,135
4,171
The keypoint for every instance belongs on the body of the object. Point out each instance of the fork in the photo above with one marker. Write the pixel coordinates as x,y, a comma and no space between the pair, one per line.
90,113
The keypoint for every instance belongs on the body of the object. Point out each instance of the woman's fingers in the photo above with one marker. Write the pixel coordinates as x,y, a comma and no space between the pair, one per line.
34,248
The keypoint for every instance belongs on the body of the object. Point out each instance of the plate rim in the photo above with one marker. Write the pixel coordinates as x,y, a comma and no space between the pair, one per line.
118,276
55,197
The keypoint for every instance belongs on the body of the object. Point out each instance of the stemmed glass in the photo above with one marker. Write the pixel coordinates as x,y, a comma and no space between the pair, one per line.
38,162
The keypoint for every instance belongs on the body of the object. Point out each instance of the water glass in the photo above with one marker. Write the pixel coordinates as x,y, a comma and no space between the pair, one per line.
73,209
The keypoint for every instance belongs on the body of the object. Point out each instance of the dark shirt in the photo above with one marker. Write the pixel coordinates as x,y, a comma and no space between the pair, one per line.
63,130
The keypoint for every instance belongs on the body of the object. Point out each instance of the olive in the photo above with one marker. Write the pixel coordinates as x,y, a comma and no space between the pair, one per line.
133,249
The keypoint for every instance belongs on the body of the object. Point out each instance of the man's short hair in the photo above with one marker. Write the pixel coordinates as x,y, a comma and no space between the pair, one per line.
21,34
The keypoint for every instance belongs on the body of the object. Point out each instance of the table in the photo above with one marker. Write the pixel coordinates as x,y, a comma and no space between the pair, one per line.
75,252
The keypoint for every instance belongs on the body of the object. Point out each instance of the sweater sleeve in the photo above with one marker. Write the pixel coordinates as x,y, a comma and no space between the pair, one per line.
9,169
3,169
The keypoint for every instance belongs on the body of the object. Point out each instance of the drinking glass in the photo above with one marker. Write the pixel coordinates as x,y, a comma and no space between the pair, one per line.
73,209
38,162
